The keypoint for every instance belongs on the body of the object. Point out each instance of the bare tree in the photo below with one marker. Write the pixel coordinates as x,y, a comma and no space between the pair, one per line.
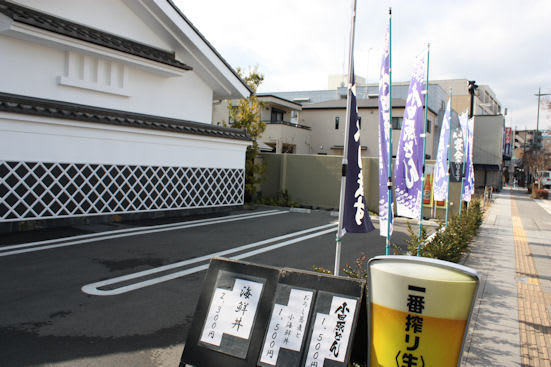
535,160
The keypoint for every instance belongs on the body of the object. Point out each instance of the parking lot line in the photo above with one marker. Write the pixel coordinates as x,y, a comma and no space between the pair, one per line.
37,246
304,235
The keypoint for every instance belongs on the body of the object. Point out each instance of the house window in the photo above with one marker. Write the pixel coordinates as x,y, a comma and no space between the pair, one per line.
397,123
428,126
230,120
336,122
294,117
277,115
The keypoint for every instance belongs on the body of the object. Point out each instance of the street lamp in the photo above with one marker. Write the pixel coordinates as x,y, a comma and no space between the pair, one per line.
539,96
472,88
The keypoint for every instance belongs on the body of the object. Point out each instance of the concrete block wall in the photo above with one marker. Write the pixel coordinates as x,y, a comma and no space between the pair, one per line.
314,181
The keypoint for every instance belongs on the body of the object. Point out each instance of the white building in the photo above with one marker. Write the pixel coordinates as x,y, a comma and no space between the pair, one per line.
106,108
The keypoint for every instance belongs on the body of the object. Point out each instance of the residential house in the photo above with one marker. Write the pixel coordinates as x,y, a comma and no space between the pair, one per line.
283,134
328,121
325,112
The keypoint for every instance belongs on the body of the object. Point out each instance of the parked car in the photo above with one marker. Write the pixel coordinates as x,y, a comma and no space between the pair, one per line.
544,179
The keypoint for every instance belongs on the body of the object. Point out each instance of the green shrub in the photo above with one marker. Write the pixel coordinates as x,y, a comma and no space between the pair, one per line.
451,242
539,193
319,269
282,198
359,270
414,240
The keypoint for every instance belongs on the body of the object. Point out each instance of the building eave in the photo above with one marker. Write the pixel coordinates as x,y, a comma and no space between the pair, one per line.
12,103
84,33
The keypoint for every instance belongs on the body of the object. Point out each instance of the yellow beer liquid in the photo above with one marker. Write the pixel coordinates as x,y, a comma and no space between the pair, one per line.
439,342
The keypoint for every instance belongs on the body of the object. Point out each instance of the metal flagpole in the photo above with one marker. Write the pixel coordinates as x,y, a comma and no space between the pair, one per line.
449,158
426,91
345,148
390,202
465,142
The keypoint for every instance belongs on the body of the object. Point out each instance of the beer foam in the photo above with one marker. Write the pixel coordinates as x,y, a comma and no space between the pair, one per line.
448,292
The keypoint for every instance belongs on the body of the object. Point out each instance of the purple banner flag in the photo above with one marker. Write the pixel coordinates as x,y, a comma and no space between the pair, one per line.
441,167
385,129
409,158
355,217
468,189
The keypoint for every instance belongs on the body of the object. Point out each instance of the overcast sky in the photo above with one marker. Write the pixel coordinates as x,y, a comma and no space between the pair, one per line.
296,44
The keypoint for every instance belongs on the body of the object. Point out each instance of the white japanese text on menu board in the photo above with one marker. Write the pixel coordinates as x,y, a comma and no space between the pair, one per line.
331,333
232,312
287,325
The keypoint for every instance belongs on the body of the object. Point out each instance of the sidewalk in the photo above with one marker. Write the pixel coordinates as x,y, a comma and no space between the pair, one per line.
511,324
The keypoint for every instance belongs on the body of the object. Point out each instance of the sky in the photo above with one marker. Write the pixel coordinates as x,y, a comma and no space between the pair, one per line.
297,44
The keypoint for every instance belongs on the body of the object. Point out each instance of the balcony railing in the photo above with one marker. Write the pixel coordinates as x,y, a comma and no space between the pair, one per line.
287,123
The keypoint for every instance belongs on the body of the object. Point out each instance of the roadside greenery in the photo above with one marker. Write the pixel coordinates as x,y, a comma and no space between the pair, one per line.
539,193
358,270
282,198
448,243
246,115
452,242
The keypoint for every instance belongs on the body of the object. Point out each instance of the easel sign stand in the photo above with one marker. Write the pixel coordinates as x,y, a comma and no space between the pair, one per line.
229,319
419,310
255,315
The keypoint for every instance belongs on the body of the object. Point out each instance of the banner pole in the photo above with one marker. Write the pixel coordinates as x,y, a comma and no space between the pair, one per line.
426,91
464,164
345,148
390,202
449,158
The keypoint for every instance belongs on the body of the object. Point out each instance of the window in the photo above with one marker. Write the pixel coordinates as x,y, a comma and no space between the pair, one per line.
336,122
397,123
288,148
294,117
360,121
230,120
277,115
428,126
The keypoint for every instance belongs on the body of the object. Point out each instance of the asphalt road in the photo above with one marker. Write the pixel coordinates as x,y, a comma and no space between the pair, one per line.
63,301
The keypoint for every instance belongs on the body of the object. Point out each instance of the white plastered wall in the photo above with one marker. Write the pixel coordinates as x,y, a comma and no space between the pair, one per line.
32,69
30,138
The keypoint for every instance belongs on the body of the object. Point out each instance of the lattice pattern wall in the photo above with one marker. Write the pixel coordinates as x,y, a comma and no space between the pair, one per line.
39,190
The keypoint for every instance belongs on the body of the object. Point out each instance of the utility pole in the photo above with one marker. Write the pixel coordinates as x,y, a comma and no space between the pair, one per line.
539,96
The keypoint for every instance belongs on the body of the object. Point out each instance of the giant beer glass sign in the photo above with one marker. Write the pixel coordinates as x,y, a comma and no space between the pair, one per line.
419,311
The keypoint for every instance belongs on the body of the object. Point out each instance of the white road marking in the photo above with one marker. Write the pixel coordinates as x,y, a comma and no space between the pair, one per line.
93,288
129,232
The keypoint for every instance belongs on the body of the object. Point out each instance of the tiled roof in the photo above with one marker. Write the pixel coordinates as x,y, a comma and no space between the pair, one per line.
267,95
78,31
71,111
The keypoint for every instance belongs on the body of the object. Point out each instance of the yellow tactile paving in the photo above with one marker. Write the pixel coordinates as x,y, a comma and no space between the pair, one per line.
534,323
